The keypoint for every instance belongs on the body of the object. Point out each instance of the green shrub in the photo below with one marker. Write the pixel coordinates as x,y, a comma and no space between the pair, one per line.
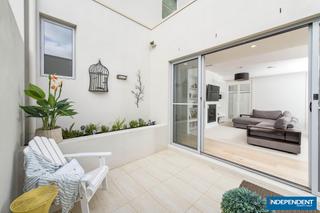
104,128
91,129
134,124
118,125
242,200
142,122
70,133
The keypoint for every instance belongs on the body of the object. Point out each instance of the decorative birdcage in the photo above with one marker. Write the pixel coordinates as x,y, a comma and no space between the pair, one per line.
99,75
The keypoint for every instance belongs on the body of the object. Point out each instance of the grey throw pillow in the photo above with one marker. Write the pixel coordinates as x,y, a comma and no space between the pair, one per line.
282,123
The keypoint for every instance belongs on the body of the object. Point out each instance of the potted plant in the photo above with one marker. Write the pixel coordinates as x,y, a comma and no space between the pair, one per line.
48,108
242,200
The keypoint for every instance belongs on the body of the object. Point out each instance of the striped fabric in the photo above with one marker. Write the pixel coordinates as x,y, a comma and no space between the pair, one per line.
48,148
42,171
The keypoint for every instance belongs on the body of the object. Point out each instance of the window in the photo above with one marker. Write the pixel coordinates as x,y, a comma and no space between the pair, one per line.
168,7
57,49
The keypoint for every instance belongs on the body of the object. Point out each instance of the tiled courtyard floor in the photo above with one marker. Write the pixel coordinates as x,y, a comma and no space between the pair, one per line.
168,181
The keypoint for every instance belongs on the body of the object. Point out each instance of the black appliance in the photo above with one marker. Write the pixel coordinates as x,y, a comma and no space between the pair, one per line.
213,93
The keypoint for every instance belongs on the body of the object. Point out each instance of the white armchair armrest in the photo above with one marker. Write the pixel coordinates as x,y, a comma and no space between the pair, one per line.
88,154
100,155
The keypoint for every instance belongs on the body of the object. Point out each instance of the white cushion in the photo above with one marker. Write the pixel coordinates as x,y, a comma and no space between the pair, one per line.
94,178
72,167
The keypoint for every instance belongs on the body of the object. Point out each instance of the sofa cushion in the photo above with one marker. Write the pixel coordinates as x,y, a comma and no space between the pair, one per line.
266,123
274,115
246,120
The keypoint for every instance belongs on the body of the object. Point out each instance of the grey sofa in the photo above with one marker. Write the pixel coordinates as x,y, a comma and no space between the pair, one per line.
271,129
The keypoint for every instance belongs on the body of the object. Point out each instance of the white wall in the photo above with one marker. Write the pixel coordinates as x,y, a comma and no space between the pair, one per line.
282,92
122,46
147,12
11,87
182,3
17,7
194,28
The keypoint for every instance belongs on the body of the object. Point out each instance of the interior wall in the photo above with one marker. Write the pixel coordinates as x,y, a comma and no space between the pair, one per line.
11,87
123,47
282,92
208,23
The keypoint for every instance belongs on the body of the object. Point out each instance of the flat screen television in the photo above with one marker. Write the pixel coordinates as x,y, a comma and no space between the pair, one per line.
213,93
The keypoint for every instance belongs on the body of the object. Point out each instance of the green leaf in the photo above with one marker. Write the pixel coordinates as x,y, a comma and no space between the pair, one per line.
68,112
51,100
43,103
35,92
34,111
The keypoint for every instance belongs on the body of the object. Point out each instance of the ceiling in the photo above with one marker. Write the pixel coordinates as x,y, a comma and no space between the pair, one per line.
280,54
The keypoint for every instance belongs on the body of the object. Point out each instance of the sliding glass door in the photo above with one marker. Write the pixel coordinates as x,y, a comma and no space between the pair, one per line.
207,101
185,108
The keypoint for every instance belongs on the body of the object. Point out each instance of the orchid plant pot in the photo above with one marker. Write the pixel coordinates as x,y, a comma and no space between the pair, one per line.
55,134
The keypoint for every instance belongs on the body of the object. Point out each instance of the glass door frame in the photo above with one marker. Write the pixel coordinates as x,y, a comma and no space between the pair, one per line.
314,69
313,87
199,102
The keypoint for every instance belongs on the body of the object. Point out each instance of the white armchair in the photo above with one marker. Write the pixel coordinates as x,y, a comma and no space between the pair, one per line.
90,182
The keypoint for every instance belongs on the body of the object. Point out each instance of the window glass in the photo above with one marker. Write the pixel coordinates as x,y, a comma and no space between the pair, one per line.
168,7
185,104
57,49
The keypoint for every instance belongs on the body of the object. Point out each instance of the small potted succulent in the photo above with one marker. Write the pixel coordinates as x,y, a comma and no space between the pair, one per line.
48,108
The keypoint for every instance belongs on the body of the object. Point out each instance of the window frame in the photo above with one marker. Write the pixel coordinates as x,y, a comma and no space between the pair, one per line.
41,43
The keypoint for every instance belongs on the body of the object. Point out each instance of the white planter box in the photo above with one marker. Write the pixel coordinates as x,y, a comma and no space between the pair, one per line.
125,145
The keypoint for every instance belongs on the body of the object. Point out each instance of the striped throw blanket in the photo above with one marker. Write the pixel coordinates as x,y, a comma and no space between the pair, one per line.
40,171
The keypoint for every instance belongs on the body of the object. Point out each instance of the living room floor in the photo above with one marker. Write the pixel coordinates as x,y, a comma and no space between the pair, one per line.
173,181
231,143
